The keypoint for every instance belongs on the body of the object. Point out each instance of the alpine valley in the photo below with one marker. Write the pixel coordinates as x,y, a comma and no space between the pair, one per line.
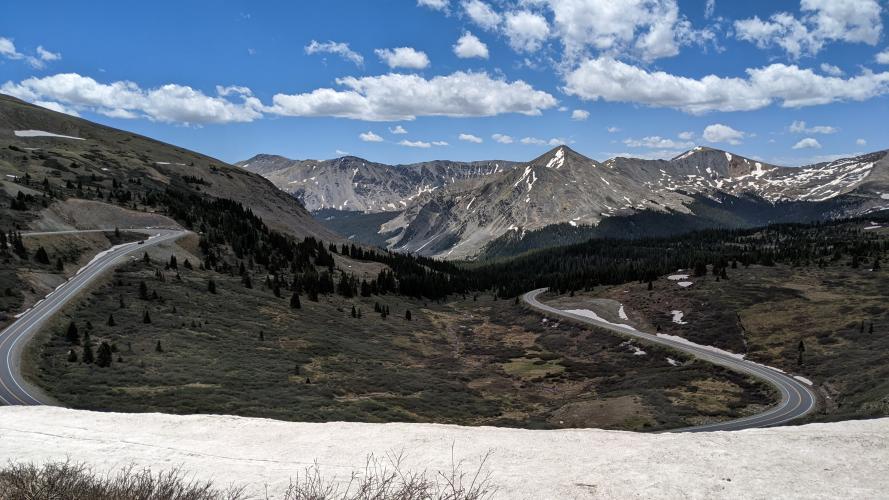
486,209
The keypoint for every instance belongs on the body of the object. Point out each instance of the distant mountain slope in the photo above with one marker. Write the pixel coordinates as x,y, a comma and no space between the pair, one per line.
46,144
351,183
564,187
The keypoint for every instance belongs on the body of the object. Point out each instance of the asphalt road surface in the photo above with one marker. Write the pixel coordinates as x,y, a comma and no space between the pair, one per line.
797,398
14,390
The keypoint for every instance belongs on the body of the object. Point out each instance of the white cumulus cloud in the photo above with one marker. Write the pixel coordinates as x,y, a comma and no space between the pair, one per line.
471,138
403,57
170,103
807,143
46,55
534,141
580,115
648,29
686,136
9,51
657,142
415,144
723,133
397,130
370,137
502,139
525,30
470,46
883,57
799,127
821,22
395,96
421,144
338,48
790,85
832,70
434,4
481,14
861,142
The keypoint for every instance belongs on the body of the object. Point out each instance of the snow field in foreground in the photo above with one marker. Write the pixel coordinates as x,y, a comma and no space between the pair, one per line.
786,462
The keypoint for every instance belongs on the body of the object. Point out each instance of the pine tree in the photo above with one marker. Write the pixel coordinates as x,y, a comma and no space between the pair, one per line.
354,312
72,336
650,285
294,301
41,256
60,266
143,291
211,286
246,281
173,264
111,320
800,348
72,356
88,355
407,315
871,329
103,359
261,335
158,347
145,258
146,318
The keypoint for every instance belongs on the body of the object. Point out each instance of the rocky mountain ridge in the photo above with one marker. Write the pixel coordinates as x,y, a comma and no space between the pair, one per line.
459,218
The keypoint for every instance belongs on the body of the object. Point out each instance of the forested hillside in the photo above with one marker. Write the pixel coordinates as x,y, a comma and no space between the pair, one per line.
615,261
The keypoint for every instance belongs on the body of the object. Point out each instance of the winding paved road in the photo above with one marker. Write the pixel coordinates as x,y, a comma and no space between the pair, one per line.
797,398
13,389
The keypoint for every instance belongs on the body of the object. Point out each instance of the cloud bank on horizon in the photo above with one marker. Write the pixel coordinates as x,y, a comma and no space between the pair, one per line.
653,76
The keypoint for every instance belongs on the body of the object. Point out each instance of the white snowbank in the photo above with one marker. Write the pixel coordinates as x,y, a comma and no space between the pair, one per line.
685,284
868,228
710,348
677,317
590,314
803,380
43,133
677,277
788,462
621,313
673,362
714,349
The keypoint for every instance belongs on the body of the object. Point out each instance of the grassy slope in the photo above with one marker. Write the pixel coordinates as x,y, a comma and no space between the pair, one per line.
464,361
107,153
766,311
485,362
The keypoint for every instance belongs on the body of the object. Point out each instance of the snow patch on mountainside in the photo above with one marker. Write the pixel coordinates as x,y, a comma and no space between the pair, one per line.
677,317
43,133
264,455
558,159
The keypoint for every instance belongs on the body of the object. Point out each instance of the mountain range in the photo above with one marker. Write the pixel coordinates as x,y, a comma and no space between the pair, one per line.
460,210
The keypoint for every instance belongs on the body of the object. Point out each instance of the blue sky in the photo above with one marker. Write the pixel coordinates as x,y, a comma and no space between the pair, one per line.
789,82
